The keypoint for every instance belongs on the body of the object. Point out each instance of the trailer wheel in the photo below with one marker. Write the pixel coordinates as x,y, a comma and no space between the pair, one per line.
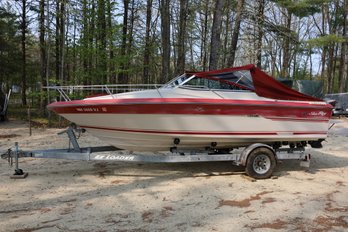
261,163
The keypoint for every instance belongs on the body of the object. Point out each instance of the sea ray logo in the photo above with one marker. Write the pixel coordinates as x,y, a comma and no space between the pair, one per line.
316,113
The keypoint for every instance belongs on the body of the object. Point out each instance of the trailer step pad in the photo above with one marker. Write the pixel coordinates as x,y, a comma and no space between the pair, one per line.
16,176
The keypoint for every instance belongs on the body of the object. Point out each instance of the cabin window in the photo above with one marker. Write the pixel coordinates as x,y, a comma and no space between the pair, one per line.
208,84
242,78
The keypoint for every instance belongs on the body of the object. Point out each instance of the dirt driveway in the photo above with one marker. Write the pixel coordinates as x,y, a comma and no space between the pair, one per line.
61,195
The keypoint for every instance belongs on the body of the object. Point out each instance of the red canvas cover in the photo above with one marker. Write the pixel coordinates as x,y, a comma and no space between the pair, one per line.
264,84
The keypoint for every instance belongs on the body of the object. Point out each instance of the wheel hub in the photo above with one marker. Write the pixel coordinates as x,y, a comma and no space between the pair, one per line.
261,164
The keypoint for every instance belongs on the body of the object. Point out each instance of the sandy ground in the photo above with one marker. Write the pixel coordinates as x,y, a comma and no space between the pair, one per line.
61,195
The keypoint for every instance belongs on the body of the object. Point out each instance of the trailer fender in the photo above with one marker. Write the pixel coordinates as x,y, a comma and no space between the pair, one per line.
249,149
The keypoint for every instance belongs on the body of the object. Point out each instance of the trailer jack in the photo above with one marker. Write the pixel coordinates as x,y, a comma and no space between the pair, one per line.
18,173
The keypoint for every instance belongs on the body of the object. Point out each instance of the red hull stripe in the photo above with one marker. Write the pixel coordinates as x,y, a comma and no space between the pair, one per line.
204,132
280,112
200,101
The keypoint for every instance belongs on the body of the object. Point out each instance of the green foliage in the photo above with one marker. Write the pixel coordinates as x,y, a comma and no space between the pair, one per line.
282,31
302,8
301,73
9,46
325,40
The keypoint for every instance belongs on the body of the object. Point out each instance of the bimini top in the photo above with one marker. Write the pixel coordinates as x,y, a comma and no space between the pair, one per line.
243,78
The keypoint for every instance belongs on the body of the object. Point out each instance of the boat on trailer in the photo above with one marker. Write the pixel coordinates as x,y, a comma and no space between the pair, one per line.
198,117
216,110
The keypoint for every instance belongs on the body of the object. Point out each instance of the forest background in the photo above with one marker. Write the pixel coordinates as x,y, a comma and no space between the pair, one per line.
85,42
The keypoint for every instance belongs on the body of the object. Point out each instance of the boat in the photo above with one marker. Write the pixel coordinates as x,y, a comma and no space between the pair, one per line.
215,110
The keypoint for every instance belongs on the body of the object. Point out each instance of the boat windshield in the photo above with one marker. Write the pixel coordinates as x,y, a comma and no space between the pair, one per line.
178,81
237,80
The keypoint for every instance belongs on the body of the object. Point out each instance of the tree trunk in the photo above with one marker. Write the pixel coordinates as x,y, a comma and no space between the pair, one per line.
330,69
62,41
48,51
259,19
147,42
122,75
345,76
24,60
346,80
58,40
74,51
226,32
165,36
325,48
174,36
332,22
101,66
235,34
342,74
111,67
180,64
334,65
92,56
192,59
66,46
310,64
215,36
85,39
323,62
42,52
130,39
204,51
286,48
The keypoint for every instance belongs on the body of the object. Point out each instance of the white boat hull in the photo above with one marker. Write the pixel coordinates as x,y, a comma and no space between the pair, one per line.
156,132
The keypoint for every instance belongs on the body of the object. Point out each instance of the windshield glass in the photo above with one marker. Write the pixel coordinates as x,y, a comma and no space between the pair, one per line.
237,80
178,81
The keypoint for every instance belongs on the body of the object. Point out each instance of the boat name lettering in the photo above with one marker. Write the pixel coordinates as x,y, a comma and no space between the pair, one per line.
89,109
114,157
320,113
199,109
253,115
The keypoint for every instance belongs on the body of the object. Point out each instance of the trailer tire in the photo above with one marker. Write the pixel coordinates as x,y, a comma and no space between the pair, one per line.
260,163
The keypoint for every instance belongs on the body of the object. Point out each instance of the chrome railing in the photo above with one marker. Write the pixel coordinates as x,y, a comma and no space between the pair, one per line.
67,90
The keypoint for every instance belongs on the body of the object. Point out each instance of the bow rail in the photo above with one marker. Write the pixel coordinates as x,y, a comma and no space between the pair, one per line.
66,91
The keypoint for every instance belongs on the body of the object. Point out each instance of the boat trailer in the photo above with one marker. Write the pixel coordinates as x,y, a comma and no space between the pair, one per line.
258,159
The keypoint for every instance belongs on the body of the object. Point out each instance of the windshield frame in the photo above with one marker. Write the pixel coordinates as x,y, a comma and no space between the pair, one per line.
172,84
181,80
